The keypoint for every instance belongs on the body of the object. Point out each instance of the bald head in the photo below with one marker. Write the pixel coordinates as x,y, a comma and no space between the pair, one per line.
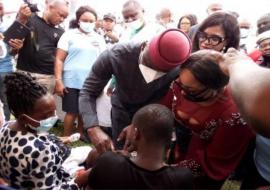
58,3
214,7
132,3
56,11
244,23
132,10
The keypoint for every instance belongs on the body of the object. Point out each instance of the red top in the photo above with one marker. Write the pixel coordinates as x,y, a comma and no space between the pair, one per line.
220,136
255,55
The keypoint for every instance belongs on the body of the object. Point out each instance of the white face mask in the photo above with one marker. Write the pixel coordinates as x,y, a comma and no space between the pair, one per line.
87,27
44,125
148,73
135,25
244,32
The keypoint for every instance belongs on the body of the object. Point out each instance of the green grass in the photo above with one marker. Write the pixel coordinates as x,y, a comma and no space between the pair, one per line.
231,185
59,130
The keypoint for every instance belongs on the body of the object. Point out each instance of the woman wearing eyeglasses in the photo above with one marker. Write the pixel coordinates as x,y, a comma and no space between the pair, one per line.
218,32
202,104
186,22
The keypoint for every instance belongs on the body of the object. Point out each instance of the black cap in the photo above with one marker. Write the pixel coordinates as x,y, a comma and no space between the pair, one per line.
109,16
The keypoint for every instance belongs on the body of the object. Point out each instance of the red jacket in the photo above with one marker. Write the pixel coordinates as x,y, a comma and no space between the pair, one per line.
218,142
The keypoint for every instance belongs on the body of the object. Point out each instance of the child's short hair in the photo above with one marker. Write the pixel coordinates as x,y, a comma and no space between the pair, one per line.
155,122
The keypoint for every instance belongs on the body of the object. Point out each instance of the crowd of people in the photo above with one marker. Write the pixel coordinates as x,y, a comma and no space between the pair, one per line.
187,103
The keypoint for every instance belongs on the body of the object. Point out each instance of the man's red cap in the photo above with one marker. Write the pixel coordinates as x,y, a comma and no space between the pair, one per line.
169,49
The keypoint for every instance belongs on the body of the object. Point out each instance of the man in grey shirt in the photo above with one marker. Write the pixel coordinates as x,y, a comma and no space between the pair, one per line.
143,74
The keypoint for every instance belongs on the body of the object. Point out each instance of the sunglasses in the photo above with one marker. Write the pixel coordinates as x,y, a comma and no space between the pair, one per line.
213,40
188,91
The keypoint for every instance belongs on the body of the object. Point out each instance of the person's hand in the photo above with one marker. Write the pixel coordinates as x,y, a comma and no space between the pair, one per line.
24,13
100,139
231,57
59,88
112,36
128,135
82,177
1,36
2,182
16,44
65,140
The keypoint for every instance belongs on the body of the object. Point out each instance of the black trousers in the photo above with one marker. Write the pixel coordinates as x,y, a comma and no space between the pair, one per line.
120,119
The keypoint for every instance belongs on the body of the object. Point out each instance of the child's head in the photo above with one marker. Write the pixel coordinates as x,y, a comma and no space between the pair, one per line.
155,123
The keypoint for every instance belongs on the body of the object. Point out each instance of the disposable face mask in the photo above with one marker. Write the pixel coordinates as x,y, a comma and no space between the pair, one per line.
198,97
135,25
149,74
87,26
244,32
44,125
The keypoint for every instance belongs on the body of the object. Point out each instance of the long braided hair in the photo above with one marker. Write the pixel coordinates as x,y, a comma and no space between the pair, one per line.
22,91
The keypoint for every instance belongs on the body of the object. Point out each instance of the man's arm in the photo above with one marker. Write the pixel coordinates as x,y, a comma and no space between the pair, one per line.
250,86
93,86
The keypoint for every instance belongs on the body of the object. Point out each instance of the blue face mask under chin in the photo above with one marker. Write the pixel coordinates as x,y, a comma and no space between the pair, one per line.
44,125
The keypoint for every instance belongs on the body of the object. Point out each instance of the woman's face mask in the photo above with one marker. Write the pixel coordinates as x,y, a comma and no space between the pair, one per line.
87,27
197,96
202,96
43,125
244,32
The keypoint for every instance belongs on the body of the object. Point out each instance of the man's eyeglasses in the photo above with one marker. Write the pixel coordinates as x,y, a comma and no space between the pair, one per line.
214,40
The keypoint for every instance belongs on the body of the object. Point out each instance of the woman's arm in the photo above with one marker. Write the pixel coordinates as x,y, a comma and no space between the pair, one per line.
58,70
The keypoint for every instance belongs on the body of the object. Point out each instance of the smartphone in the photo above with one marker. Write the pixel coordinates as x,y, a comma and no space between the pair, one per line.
16,31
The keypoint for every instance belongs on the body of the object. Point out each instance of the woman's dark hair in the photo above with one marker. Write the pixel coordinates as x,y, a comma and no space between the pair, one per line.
22,91
81,10
191,17
203,64
228,23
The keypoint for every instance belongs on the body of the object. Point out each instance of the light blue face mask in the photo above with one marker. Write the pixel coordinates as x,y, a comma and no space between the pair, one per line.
87,27
44,125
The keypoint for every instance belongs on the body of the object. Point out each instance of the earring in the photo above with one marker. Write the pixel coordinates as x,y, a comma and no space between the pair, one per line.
223,50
